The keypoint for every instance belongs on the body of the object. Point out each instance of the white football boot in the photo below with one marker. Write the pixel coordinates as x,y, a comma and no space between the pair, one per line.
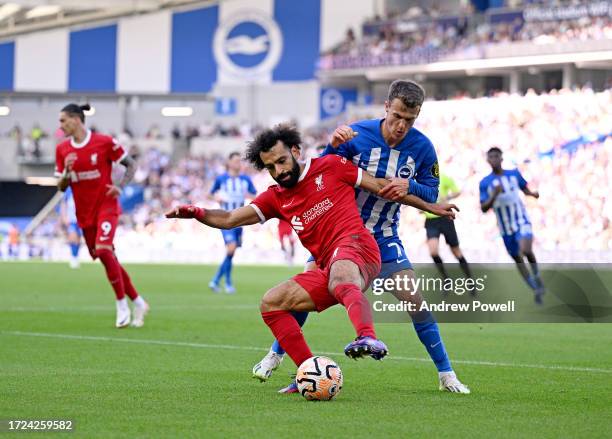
123,314
74,263
140,311
450,383
263,370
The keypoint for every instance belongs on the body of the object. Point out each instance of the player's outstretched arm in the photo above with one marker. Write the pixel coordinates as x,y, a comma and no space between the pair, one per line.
527,191
378,186
217,218
440,209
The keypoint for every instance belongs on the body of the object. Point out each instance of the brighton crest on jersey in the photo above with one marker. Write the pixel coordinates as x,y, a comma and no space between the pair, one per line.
509,209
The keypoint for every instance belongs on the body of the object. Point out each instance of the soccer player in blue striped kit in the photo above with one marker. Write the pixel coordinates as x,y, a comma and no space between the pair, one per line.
500,191
390,148
230,191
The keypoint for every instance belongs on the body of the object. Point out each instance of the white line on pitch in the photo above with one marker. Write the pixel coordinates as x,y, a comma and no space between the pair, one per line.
95,308
252,348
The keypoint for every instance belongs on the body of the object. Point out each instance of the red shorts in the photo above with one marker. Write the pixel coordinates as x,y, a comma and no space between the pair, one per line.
103,233
360,249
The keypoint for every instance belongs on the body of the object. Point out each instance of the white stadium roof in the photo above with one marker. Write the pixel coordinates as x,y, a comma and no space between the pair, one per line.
21,16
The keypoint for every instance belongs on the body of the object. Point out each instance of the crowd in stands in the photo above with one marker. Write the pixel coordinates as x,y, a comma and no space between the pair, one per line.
418,29
560,141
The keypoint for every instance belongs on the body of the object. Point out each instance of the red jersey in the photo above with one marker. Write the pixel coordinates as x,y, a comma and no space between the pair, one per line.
90,174
321,207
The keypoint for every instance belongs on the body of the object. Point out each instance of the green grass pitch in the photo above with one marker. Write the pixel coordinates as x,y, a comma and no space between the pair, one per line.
187,373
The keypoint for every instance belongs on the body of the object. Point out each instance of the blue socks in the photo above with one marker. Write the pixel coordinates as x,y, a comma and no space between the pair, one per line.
74,250
228,270
224,269
300,317
429,334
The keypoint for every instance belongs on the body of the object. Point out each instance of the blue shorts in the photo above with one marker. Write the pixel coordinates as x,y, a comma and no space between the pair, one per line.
512,241
392,255
232,236
74,227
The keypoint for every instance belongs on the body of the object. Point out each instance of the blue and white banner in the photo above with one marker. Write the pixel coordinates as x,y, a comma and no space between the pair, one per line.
233,42
334,101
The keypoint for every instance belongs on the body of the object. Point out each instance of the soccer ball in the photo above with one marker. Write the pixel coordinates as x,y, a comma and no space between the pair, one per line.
319,379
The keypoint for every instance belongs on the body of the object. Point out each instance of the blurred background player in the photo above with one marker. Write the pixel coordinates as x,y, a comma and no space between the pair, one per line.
287,240
13,242
73,231
500,190
390,148
83,162
230,191
436,226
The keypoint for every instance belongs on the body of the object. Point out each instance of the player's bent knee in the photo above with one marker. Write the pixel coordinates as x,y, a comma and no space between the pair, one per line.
276,299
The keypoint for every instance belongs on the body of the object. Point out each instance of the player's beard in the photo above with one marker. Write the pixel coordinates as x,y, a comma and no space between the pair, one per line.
294,176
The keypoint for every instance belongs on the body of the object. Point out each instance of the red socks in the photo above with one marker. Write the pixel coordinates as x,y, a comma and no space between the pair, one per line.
289,335
113,271
127,284
357,308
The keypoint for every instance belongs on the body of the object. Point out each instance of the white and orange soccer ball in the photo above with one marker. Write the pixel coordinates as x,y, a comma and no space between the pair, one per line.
319,379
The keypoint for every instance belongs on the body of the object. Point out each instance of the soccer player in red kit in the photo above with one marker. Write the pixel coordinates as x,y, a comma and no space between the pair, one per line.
317,199
84,162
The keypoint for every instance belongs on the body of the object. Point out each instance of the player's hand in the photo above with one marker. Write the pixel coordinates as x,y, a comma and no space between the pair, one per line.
444,209
535,194
113,191
341,135
187,211
395,190
69,161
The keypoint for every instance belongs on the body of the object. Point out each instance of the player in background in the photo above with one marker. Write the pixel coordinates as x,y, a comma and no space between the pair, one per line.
436,226
287,240
317,198
390,148
73,231
230,190
83,162
13,242
500,191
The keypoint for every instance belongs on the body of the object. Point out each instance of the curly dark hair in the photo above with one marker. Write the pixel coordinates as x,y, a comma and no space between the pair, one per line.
264,141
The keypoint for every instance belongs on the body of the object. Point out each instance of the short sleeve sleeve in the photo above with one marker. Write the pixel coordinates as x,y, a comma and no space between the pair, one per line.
251,187
521,180
266,205
345,169
216,185
484,194
117,152
59,162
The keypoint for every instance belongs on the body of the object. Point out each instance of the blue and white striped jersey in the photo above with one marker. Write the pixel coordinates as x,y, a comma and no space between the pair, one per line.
233,190
508,206
414,159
